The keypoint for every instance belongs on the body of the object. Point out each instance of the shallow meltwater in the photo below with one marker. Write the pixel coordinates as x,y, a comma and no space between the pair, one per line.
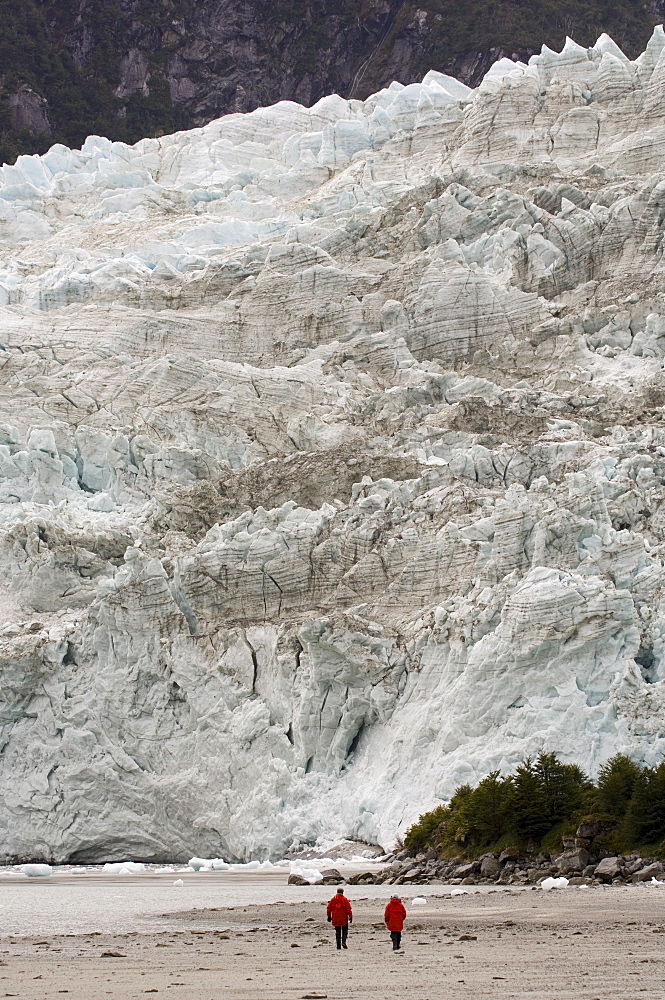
69,903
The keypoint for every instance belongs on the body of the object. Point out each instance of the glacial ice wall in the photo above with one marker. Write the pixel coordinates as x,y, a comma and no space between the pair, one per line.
332,460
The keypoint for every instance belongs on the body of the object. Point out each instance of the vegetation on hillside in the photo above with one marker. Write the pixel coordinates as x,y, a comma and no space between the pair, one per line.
37,48
545,801
244,54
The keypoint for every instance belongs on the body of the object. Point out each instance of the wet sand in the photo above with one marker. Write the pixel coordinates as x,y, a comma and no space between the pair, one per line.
600,943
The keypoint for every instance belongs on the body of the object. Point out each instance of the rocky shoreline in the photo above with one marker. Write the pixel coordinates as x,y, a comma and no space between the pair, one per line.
505,868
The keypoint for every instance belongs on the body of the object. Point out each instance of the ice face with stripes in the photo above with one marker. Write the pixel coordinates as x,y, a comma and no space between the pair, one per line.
331,460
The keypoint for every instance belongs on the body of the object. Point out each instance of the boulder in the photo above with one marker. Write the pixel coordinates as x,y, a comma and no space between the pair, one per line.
297,880
590,827
411,877
608,868
654,870
331,873
490,867
509,854
468,869
362,878
572,861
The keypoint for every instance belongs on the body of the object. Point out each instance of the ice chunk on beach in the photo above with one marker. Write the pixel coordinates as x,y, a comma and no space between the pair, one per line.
37,871
123,868
459,892
178,881
554,883
198,863
306,870
220,865
419,901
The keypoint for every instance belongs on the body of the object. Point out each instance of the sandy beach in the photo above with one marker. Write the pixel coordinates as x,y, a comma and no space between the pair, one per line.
604,943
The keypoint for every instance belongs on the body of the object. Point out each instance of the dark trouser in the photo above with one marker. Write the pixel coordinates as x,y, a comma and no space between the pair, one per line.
396,937
341,933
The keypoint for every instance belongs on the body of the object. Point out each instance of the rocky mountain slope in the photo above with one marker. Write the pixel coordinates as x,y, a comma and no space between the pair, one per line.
332,460
127,69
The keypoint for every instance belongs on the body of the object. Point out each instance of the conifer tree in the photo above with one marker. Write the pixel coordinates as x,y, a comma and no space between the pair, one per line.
530,818
616,781
562,786
487,809
645,815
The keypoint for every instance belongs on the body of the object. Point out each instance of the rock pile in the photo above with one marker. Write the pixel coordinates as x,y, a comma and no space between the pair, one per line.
510,868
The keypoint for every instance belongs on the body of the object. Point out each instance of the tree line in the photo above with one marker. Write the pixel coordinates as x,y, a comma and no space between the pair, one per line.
544,801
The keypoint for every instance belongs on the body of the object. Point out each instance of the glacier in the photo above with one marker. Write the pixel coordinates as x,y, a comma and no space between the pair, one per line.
332,461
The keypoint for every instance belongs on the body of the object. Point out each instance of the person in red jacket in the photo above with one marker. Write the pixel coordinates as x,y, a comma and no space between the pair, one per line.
340,915
394,917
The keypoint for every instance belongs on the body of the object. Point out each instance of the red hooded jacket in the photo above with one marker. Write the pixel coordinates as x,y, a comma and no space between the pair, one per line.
394,915
339,908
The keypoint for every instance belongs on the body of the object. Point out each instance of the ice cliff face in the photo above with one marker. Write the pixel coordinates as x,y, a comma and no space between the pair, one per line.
332,460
